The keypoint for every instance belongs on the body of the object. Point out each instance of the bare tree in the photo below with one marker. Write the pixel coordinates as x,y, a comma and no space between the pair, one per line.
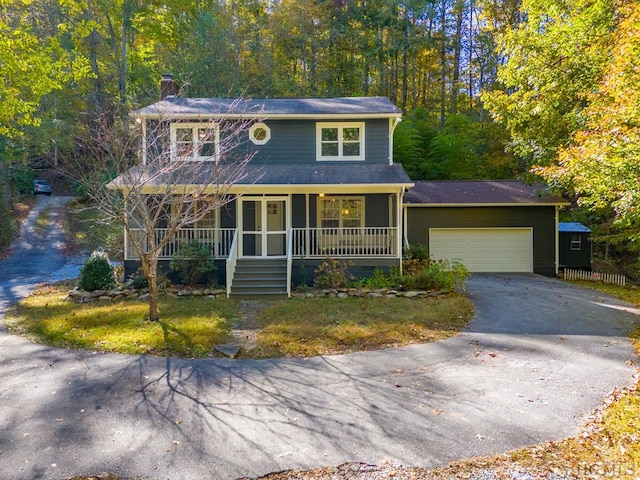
156,179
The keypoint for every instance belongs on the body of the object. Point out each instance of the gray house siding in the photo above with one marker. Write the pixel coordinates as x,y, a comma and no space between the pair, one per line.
541,219
293,142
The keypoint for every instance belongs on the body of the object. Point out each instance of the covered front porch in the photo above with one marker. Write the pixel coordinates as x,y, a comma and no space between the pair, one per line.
300,229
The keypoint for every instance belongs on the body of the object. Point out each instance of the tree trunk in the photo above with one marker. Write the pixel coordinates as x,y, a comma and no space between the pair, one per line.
153,295
443,60
150,268
457,46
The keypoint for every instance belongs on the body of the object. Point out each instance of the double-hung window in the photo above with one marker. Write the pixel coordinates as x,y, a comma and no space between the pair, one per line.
195,141
340,141
341,212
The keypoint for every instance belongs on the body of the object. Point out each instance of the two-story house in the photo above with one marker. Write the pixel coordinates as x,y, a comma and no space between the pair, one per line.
321,181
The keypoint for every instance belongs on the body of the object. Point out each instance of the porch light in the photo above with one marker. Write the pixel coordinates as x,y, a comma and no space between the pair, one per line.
321,195
345,211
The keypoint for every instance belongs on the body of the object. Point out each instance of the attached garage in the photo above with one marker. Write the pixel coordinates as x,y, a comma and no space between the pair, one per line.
485,249
491,226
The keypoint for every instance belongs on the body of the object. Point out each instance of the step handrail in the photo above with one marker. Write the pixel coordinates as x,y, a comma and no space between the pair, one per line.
289,260
232,259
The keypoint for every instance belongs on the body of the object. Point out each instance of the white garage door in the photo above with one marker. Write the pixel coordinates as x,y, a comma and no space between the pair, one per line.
485,249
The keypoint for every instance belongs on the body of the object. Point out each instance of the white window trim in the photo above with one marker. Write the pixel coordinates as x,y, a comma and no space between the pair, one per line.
339,198
576,245
195,126
255,127
198,224
339,126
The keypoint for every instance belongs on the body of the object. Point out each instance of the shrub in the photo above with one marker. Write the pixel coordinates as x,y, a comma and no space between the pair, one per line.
441,275
96,273
417,251
194,264
139,281
332,274
377,281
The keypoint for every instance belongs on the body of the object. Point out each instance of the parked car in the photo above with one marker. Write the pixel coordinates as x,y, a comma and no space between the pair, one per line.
42,186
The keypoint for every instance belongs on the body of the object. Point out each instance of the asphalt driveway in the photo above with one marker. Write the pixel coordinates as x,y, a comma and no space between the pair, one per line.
538,357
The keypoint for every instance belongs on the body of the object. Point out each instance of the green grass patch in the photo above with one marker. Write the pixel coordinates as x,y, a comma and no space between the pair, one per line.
87,229
189,327
321,326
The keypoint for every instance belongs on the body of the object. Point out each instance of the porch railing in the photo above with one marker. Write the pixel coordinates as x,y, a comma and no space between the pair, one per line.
218,240
345,242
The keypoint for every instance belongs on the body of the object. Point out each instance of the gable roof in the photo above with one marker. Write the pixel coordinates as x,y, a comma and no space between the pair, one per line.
479,193
175,107
572,227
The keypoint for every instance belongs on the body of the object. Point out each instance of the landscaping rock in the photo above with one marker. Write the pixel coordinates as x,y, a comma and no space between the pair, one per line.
227,350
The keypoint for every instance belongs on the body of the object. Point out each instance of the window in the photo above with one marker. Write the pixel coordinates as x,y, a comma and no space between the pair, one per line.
259,133
340,141
195,141
341,212
576,242
207,217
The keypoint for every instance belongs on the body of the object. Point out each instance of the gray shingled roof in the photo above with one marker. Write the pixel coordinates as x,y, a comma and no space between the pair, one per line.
271,107
503,192
316,174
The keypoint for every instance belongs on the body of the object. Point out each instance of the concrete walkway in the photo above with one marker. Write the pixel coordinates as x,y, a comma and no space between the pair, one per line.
536,359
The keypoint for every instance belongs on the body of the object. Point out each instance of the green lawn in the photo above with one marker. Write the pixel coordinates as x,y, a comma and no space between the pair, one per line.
191,326
321,326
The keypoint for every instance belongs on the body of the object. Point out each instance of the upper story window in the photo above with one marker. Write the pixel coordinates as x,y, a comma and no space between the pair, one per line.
340,141
195,141
259,133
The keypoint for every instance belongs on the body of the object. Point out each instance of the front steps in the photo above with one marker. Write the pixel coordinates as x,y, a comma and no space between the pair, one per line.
260,276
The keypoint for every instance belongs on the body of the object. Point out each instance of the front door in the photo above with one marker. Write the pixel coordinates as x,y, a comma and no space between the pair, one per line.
264,226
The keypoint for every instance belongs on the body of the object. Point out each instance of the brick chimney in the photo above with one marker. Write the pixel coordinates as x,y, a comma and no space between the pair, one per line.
167,86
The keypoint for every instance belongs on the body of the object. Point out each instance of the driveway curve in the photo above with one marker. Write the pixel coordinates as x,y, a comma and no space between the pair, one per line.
536,359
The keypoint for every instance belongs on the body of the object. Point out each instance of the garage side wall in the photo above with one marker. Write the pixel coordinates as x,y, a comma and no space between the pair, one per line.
541,219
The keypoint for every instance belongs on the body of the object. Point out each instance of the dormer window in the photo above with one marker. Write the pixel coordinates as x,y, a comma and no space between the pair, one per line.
195,141
340,141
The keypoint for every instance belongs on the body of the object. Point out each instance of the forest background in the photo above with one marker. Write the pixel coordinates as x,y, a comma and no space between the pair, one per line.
489,89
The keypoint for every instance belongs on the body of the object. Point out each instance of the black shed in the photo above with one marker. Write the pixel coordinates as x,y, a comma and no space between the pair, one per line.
575,245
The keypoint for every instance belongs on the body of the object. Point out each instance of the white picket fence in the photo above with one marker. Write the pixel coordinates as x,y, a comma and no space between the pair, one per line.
610,278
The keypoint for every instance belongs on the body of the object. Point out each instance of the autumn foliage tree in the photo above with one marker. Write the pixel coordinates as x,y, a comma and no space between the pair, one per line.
601,165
